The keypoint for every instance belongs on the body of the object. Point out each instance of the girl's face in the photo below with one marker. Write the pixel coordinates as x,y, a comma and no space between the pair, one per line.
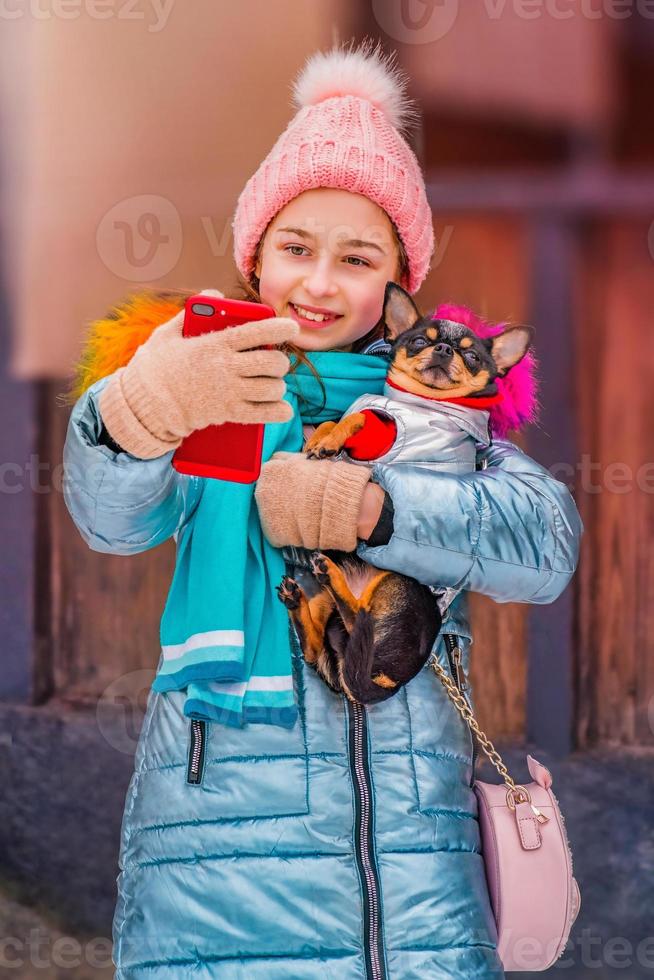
328,251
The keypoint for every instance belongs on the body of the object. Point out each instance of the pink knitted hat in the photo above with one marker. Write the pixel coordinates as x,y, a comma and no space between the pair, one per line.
352,106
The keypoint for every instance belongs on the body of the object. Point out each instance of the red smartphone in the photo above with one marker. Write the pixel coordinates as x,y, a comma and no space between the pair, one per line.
232,450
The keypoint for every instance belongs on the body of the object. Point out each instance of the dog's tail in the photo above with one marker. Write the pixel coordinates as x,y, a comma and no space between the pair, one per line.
358,664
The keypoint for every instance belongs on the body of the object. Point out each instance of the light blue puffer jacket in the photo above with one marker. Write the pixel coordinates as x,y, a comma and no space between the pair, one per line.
349,846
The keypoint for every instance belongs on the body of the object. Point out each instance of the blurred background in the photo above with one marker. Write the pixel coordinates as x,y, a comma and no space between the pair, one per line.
127,130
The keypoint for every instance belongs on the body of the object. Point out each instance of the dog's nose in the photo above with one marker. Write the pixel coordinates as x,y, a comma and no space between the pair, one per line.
443,349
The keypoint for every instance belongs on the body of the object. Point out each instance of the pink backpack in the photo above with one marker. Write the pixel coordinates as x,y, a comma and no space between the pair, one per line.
527,856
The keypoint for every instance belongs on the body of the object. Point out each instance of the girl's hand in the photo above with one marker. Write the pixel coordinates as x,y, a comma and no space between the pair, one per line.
312,503
174,385
371,508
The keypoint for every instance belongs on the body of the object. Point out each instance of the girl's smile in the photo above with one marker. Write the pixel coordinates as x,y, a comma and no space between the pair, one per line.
325,260
318,318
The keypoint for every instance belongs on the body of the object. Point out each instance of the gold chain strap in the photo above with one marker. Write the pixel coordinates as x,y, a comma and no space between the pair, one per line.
516,793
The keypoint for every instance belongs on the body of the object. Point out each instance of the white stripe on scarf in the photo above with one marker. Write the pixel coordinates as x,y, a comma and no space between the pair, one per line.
212,638
255,683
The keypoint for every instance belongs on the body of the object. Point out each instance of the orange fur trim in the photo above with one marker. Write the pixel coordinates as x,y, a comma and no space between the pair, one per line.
111,342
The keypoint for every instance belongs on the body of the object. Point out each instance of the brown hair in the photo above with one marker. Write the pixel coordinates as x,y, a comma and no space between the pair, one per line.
250,291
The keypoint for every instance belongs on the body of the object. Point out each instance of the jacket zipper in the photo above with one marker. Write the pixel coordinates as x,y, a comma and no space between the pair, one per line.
458,676
365,850
196,751
359,760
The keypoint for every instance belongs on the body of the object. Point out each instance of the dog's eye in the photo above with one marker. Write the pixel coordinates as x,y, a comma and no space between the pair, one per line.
417,344
471,356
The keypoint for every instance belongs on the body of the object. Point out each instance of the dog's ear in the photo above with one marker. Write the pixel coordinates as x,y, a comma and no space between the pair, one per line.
400,312
509,347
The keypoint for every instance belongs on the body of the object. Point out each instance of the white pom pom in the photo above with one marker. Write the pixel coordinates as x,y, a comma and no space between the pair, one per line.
365,72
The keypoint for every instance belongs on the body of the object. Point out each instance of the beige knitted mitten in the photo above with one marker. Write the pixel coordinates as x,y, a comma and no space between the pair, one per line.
175,384
310,503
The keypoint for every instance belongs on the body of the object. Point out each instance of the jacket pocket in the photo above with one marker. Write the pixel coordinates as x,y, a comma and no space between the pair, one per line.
257,771
441,741
258,776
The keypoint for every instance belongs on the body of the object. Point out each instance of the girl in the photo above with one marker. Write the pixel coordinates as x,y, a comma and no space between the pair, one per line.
272,829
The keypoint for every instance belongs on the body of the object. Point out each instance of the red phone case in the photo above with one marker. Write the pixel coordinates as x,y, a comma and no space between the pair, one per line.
231,451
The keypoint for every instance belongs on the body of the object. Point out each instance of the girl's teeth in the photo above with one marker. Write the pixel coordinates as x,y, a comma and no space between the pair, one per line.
318,317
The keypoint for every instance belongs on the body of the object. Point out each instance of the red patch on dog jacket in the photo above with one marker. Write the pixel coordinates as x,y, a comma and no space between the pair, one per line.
375,437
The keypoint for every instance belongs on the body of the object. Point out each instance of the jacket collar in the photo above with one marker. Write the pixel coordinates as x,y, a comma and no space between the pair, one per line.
474,421
485,402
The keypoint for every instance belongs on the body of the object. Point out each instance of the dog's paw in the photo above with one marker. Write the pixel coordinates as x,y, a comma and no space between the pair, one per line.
324,442
319,567
289,592
321,452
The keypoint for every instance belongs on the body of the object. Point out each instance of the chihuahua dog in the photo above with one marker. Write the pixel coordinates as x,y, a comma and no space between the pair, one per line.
368,631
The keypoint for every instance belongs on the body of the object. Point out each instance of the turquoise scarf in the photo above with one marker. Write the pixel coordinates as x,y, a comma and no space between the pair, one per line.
224,632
